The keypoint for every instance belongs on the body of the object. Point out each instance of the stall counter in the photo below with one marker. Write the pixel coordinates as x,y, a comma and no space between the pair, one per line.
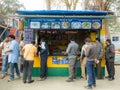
58,66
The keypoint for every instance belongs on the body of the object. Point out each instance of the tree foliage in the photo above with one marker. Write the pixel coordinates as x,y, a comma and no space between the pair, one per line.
60,4
92,4
10,6
106,5
114,6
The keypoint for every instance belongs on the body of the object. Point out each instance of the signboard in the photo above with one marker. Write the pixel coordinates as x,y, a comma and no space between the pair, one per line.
45,25
35,25
28,35
58,23
76,25
117,58
62,61
55,25
115,39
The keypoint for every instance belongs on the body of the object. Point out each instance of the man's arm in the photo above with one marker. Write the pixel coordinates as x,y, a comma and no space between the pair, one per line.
112,51
35,54
2,45
10,48
68,49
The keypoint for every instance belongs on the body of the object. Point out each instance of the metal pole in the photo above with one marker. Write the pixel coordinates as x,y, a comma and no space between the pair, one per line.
62,16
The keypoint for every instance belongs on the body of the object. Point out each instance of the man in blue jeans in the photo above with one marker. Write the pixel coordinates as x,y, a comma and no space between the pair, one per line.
4,46
91,56
13,57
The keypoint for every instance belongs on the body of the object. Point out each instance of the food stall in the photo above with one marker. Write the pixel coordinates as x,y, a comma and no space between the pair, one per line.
57,26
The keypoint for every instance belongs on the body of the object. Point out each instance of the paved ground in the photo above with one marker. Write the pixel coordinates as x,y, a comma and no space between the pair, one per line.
58,83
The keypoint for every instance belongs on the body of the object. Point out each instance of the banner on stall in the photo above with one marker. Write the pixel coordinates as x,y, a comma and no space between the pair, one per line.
28,36
56,23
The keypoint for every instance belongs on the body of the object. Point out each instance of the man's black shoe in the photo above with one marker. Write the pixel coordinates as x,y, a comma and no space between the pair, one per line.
69,80
110,79
94,85
74,77
31,81
24,81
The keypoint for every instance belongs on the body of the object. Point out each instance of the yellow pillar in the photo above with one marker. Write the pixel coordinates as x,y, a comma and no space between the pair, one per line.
103,39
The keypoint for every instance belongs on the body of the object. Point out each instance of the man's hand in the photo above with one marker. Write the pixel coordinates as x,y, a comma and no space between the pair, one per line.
64,52
97,61
6,52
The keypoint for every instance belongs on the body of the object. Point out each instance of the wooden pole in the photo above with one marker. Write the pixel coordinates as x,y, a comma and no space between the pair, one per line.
5,28
5,16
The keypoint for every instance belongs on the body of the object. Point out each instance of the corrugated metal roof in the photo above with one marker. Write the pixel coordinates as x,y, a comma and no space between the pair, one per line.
61,12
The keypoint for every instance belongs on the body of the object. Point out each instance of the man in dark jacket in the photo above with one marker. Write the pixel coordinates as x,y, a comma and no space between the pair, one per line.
110,58
44,51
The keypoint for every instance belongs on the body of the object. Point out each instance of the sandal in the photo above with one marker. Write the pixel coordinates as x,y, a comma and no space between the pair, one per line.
41,79
2,76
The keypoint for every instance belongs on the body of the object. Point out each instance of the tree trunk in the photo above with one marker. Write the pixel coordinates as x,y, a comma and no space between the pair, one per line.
48,4
75,4
107,29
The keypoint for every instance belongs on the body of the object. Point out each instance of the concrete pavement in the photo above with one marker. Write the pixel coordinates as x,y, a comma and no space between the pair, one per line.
59,83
